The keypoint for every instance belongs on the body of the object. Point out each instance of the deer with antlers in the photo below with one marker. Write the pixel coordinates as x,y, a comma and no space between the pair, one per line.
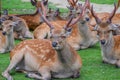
104,16
81,37
53,58
110,45
33,20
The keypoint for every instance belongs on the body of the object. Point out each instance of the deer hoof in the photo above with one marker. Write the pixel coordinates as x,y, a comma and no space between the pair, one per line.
117,66
104,62
76,75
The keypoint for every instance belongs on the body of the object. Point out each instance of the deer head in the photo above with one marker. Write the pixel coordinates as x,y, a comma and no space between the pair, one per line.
7,27
78,9
58,36
104,28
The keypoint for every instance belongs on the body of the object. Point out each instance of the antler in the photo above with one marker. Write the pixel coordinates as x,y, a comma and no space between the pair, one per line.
95,16
33,2
87,4
112,14
118,5
72,2
45,20
43,8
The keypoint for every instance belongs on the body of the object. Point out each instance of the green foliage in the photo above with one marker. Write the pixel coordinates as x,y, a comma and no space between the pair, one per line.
103,1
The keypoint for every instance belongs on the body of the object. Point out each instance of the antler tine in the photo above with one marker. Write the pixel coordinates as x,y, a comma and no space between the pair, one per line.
87,4
43,8
113,13
45,20
118,4
68,23
71,3
75,2
95,16
77,19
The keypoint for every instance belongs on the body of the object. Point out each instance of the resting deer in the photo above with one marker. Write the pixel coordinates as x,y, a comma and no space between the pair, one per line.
104,16
81,37
8,36
33,20
52,58
110,45
21,29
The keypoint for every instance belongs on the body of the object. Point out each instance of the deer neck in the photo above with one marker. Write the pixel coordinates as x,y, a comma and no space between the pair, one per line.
10,40
84,31
65,55
107,49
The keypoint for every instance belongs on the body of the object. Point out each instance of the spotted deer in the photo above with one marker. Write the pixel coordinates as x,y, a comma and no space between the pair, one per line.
8,36
110,45
81,37
33,20
53,58
21,29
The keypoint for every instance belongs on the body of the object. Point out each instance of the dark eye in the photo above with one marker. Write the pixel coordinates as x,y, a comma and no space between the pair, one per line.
63,36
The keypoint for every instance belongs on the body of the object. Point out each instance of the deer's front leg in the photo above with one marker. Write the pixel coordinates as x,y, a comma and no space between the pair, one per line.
118,64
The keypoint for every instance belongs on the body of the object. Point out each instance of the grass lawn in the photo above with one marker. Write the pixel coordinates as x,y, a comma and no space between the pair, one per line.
92,69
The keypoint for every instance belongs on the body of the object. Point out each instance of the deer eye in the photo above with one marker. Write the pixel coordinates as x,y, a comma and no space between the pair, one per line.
63,36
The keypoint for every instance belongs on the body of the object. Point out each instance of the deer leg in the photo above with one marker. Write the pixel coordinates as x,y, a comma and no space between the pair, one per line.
45,73
14,61
33,75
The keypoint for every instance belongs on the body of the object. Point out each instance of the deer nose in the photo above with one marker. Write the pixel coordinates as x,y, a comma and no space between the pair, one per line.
4,33
102,42
87,19
54,44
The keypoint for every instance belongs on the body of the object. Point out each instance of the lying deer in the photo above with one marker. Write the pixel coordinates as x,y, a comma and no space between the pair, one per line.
33,20
81,37
7,36
21,28
104,16
53,58
110,45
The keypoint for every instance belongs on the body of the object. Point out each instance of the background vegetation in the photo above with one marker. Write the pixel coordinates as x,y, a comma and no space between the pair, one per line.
92,69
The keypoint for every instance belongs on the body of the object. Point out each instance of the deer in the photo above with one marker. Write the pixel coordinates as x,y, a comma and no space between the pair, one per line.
7,36
53,58
110,44
103,16
81,37
33,20
21,29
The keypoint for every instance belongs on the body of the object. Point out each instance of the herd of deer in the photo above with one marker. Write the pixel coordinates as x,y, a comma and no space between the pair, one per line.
51,53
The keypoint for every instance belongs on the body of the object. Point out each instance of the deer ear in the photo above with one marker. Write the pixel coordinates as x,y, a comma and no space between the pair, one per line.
46,2
10,17
114,27
95,28
5,12
33,2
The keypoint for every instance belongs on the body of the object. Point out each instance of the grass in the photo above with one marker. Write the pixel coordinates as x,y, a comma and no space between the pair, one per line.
92,69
